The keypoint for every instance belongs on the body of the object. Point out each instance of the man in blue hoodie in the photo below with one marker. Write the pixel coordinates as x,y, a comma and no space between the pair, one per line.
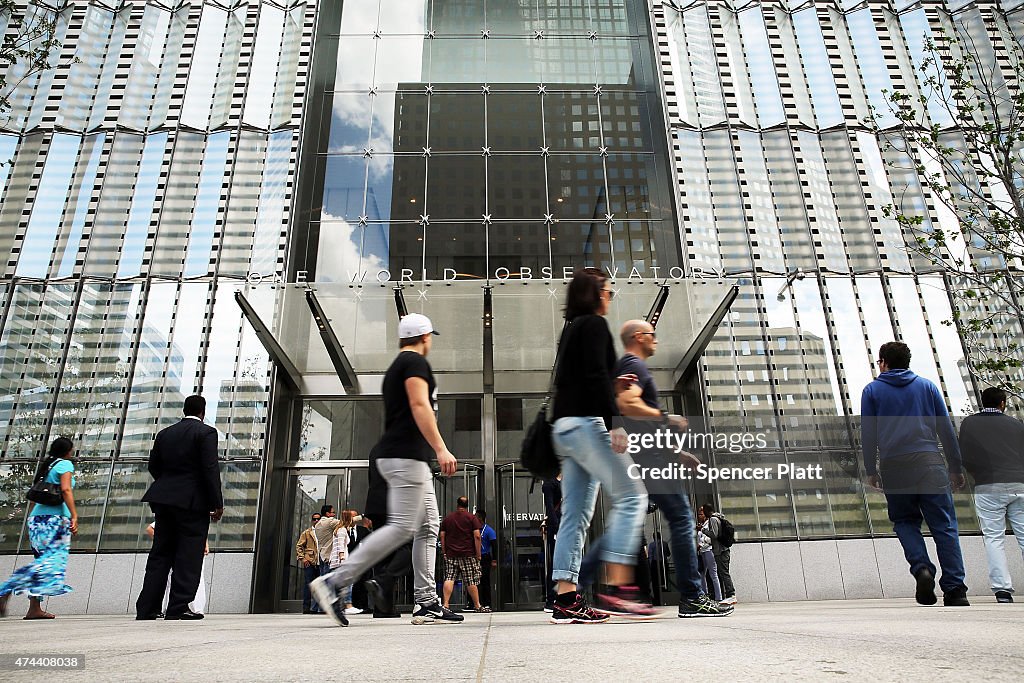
903,419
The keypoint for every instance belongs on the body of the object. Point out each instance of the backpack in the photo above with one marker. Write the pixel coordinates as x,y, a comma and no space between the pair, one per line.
726,531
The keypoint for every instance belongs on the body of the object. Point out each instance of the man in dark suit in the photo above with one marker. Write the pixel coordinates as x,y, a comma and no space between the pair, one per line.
185,497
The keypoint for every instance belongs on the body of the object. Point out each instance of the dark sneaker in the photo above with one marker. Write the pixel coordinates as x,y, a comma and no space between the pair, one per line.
435,613
925,594
1004,596
576,613
956,598
703,607
327,598
549,607
625,601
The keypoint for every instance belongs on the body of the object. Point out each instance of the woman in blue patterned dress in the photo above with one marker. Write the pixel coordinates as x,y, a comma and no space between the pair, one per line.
50,528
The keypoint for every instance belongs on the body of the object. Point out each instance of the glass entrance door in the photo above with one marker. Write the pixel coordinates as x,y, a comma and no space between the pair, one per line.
309,489
522,560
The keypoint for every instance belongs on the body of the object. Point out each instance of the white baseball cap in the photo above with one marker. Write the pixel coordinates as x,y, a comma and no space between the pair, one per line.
415,325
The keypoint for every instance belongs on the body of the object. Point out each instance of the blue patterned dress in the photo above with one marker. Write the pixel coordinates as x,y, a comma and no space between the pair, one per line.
49,533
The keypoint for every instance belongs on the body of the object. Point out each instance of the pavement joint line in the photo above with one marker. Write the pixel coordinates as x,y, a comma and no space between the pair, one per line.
483,652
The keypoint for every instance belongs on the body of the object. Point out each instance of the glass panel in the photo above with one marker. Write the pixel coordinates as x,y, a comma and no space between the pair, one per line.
91,482
44,222
576,183
242,204
852,350
456,123
400,16
350,122
204,219
178,205
762,70
344,180
514,122
624,120
456,187
95,376
243,398
151,363
630,177
872,62
355,63
15,478
145,66
202,73
396,188
237,528
399,122
400,61
360,16
824,94
571,122
516,188
78,201
955,376
458,246
126,517
268,240
309,492
266,54
136,232
34,339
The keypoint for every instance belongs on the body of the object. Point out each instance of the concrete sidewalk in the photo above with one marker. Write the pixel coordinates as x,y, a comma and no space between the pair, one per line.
877,640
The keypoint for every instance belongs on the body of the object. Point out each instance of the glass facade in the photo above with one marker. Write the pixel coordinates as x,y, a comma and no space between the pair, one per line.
193,151
148,179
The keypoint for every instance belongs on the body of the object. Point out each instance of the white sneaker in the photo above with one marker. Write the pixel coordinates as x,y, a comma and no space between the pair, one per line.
353,610
731,600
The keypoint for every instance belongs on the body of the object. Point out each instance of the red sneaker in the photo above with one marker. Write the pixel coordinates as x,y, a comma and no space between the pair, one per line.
625,601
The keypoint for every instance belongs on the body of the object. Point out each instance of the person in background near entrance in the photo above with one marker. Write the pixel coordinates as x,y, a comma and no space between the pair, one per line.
658,555
706,557
339,553
410,439
711,522
552,489
50,528
592,454
381,588
198,605
992,445
487,561
362,527
324,530
460,545
903,418
185,496
307,553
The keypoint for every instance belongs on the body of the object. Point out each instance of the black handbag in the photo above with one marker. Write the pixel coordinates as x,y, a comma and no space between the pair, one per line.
42,491
537,454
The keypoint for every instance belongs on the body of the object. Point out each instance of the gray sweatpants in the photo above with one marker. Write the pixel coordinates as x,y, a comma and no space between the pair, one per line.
412,514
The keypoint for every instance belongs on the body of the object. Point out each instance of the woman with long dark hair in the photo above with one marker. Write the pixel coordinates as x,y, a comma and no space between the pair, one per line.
50,528
592,454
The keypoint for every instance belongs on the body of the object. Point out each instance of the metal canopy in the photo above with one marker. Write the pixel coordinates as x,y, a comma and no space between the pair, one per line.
336,339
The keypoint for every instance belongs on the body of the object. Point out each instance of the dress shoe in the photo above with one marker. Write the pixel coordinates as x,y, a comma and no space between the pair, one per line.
187,615
152,616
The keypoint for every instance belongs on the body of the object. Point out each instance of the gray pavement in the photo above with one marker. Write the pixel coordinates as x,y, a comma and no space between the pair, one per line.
877,640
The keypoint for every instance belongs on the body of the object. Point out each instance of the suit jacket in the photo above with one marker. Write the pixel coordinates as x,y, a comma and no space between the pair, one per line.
184,465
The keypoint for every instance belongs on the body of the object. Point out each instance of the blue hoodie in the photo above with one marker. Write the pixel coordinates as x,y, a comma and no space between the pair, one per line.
903,413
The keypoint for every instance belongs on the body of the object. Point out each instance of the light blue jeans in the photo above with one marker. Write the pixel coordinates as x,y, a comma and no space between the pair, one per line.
995,504
584,448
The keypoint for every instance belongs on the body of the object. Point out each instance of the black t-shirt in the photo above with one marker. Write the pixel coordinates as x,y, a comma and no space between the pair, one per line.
631,365
402,438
